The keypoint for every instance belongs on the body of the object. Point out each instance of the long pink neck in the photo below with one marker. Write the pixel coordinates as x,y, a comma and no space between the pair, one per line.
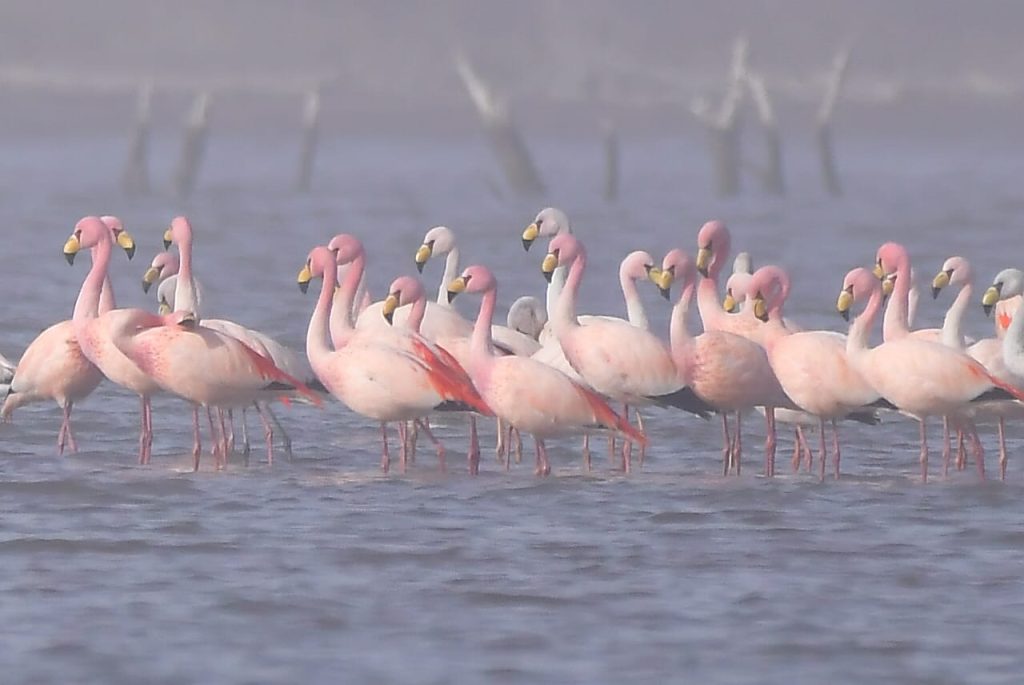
680,338
341,324
481,347
419,308
895,323
317,346
185,291
565,311
107,296
708,304
88,304
860,328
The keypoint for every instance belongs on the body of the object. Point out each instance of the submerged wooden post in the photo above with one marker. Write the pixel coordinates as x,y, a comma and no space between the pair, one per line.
772,179
723,126
611,159
823,122
506,140
193,145
135,177
310,138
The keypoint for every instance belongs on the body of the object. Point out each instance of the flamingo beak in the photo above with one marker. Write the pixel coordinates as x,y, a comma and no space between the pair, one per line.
390,305
168,239
149,278
940,281
455,287
663,279
844,303
305,276
548,266
165,306
888,284
530,234
422,255
989,299
879,270
71,248
760,308
729,304
127,243
188,320
704,256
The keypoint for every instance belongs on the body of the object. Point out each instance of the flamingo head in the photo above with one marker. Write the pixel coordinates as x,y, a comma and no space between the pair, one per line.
955,271
438,240
736,291
474,279
120,236
743,264
549,222
713,243
179,233
346,248
768,289
404,290
891,258
89,231
636,266
858,285
164,265
528,316
562,251
1007,283
319,263
676,266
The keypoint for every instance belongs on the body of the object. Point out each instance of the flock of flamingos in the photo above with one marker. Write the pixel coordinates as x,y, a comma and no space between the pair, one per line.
551,371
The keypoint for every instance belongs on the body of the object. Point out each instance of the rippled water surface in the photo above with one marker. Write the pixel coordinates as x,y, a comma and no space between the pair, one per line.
321,569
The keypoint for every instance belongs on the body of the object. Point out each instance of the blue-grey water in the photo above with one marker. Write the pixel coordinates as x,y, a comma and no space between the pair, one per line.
322,569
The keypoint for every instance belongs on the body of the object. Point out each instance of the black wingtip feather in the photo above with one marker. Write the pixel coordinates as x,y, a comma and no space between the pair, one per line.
993,394
453,405
866,416
687,400
882,403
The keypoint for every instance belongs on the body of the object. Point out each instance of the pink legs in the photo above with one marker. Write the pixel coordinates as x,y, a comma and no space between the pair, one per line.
197,446
769,443
385,457
835,445
822,455
268,433
924,452
474,447
65,436
586,451
1002,448
543,467
146,431
733,447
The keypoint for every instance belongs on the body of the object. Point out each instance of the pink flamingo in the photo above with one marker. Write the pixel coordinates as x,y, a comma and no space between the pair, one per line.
921,378
54,366
529,395
620,361
728,371
1002,357
371,377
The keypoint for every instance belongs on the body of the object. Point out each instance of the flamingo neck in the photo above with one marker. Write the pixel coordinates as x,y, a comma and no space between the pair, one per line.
895,323
416,312
185,299
635,312
952,325
1013,342
555,288
106,296
481,347
680,338
708,305
860,327
341,324
565,310
318,333
87,305
451,271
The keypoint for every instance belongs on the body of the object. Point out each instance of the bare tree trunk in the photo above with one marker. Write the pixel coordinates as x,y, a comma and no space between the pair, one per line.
611,159
724,126
310,138
135,177
772,178
193,145
823,122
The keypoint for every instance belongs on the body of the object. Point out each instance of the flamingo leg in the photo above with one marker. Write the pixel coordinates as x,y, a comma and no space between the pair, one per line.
385,457
72,443
519,445
835,445
924,452
769,442
1002,448
737,444
961,449
474,447
543,465
979,451
627,446
63,432
586,451
246,447
422,423
142,431
611,450
795,460
403,437
640,425
414,436
805,449
231,430
268,433
726,444
147,416
197,446
946,450
223,439
501,448
209,416
822,455
286,440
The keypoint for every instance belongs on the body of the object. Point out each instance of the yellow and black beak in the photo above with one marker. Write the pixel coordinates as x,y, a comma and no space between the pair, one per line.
390,305
729,304
455,287
663,279
530,234
760,307
940,281
845,302
71,248
879,271
888,284
168,239
548,266
165,306
991,296
423,254
127,243
704,256
151,276
305,276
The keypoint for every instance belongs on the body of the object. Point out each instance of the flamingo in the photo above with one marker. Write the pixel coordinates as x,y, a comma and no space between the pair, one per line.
921,378
1002,357
529,395
371,377
727,371
53,366
527,315
620,361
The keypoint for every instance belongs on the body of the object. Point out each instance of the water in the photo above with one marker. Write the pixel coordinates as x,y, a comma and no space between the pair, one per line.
321,569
